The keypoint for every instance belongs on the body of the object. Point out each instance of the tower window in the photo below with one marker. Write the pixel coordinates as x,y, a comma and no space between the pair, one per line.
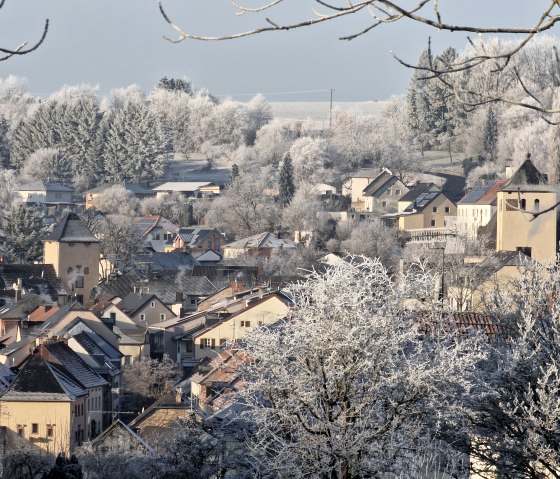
537,206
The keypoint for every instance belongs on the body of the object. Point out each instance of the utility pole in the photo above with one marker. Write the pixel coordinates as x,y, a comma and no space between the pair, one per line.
330,110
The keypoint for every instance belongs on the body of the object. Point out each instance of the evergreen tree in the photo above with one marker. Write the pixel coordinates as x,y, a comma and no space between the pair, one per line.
24,232
135,149
48,164
445,110
4,143
286,180
176,84
421,117
190,215
234,172
491,134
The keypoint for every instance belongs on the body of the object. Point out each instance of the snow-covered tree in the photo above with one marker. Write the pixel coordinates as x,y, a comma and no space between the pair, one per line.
9,195
15,100
272,142
309,158
352,385
374,240
491,134
302,212
260,114
24,231
245,207
117,200
286,187
4,143
514,419
48,164
135,149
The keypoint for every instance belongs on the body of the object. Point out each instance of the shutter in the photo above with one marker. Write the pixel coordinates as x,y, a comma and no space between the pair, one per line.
202,344
213,343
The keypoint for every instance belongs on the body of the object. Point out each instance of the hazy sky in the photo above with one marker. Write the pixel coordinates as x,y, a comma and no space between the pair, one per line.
114,43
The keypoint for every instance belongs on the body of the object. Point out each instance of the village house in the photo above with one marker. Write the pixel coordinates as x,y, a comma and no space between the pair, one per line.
145,309
260,245
44,407
477,207
189,189
527,216
424,207
197,241
74,252
354,186
45,193
157,232
383,194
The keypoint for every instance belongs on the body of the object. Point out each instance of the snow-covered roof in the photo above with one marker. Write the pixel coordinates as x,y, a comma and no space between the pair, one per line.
44,186
182,186
262,240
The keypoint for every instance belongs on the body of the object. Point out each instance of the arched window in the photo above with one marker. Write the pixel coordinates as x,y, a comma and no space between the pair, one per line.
537,206
523,204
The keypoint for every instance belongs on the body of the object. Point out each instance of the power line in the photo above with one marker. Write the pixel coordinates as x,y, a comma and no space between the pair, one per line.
274,93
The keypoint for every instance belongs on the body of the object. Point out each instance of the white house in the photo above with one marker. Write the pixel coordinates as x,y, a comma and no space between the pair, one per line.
43,192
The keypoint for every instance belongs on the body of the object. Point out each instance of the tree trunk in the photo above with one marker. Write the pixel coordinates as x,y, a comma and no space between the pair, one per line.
449,150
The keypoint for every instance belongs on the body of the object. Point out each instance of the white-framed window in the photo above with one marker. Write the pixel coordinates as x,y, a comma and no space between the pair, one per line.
153,304
447,209
162,317
142,317
433,223
397,192
389,192
34,428
434,209
245,324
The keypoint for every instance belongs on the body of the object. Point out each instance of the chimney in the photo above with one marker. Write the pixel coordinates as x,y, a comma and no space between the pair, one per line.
509,169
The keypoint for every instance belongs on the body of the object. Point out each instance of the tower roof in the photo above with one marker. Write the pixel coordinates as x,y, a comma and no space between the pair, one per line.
527,174
72,230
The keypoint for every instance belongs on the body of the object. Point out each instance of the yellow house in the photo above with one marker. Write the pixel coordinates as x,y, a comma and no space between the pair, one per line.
44,408
518,228
487,280
74,252
355,185
267,310
383,194
424,206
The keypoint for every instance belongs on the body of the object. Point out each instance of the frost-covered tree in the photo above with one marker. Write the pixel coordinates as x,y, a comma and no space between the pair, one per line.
171,108
272,142
9,195
148,380
135,149
183,85
117,200
286,187
309,158
514,420
23,234
491,134
4,143
352,385
245,207
260,114
353,140
15,100
48,164
374,240
302,212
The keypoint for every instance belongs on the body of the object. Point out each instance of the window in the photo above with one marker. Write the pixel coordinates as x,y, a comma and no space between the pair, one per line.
245,324
127,360
142,317
537,206
447,209
389,192
384,204
70,269
50,430
20,431
162,317
260,323
153,304
512,205
223,342
78,268
193,301
79,281
433,223
205,343
34,428
523,204
397,192
86,270
434,209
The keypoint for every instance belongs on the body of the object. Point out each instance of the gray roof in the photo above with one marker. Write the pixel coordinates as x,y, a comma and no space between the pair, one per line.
418,190
379,182
25,306
40,381
165,285
79,370
262,240
156,261
195,236
40,278
72,230
527,174
44,186
135,188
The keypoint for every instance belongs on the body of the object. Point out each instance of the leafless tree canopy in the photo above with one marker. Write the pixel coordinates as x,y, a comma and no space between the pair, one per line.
23,48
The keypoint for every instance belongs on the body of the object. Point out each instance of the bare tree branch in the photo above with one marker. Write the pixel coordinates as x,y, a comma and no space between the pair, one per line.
21,49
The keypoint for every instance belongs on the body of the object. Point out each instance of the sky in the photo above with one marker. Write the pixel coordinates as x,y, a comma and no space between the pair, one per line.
115,43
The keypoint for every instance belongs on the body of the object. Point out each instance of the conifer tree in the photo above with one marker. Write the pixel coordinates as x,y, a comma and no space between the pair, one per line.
24,232
4,144
286,180
491,134
421,118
